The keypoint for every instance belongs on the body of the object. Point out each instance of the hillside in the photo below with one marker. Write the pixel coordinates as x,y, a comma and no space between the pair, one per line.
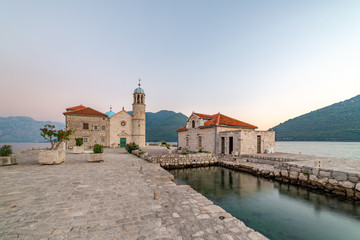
337,122
162,125
23,129
159,126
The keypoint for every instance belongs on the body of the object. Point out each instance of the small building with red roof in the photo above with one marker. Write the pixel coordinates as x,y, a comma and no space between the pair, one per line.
220,134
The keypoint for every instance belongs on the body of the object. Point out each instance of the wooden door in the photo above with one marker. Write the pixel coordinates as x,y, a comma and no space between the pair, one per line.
122,142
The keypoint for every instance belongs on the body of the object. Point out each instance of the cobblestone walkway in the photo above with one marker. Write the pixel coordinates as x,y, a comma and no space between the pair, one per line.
116,199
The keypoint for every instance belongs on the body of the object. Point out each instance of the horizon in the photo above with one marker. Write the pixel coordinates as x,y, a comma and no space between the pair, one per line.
259,62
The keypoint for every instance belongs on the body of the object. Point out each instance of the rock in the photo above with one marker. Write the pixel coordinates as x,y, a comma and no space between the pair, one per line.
294,175
339,176
358,187
333,182
325,174
284,173
347,184
353,178
313,178
175,215
303,177
323,181
350,192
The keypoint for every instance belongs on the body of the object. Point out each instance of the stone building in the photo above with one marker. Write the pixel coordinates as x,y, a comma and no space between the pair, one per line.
109,129
220,134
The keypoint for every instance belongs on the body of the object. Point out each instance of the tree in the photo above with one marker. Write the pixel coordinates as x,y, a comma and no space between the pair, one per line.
55,137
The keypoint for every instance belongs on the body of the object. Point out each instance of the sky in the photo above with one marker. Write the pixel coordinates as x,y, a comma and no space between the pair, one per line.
262,62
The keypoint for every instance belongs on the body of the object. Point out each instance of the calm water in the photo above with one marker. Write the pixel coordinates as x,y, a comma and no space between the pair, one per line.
279,211
18,147
327,149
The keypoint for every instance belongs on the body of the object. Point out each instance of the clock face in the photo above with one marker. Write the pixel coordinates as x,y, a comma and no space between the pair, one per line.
123,123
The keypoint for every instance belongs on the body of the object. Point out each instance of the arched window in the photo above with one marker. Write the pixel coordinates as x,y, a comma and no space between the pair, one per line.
142,99
193,124
200,142
187,141
138,99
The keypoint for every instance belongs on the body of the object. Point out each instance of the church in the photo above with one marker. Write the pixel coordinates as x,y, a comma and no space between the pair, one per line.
109,129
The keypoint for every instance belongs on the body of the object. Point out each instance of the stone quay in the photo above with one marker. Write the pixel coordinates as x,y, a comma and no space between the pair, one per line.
337,176
123,197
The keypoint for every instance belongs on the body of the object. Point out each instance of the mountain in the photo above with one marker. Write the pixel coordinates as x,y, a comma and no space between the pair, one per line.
23,129
159,126
337,122
162,125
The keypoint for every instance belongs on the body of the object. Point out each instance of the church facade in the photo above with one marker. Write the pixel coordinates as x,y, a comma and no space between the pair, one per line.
220,134
109,129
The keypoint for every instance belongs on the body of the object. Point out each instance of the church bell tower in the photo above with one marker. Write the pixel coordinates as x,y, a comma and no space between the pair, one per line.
138,120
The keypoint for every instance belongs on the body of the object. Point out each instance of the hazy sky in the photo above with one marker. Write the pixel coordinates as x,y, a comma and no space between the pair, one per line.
262,62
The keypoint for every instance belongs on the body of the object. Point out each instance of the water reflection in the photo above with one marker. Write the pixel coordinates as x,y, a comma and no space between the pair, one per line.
278,210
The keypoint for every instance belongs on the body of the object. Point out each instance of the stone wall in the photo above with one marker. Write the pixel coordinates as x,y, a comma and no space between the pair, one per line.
120,127
207,137
182,161
75,122
245,141
342,183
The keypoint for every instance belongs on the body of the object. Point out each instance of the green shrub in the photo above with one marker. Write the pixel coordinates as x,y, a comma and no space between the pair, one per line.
98,148
163,142
184,153
200,151
79,141
5,150
131,147
167,146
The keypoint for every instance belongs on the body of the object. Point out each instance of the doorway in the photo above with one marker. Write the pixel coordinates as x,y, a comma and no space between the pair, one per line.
231,145
222,145
122,142
258,144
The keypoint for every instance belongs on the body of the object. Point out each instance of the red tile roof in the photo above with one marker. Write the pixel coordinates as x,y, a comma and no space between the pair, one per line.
220,119
75,108
86,111
181,129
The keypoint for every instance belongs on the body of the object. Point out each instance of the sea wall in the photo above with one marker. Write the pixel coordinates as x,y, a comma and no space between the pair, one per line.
170,161
342,183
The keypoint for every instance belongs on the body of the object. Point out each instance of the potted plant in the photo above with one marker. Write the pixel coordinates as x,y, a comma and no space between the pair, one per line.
56,138
98,155
79,148
6,157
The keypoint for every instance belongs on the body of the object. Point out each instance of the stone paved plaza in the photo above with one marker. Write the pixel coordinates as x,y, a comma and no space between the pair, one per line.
122,198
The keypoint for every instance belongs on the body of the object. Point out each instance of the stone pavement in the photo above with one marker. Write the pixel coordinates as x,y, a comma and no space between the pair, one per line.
121,198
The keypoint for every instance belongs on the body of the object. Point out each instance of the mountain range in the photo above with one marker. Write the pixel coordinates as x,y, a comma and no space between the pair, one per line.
337,122
159,126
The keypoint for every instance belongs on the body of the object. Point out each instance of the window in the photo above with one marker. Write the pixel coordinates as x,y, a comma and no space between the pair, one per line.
95,127
85,126
103,127
200,142
123,123
85,139
187,141
193,124
102,139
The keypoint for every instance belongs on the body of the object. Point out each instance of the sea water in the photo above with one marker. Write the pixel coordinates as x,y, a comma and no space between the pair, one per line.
349,150
277,210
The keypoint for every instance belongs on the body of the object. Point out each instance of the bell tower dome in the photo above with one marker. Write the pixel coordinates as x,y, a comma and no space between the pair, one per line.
138,131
